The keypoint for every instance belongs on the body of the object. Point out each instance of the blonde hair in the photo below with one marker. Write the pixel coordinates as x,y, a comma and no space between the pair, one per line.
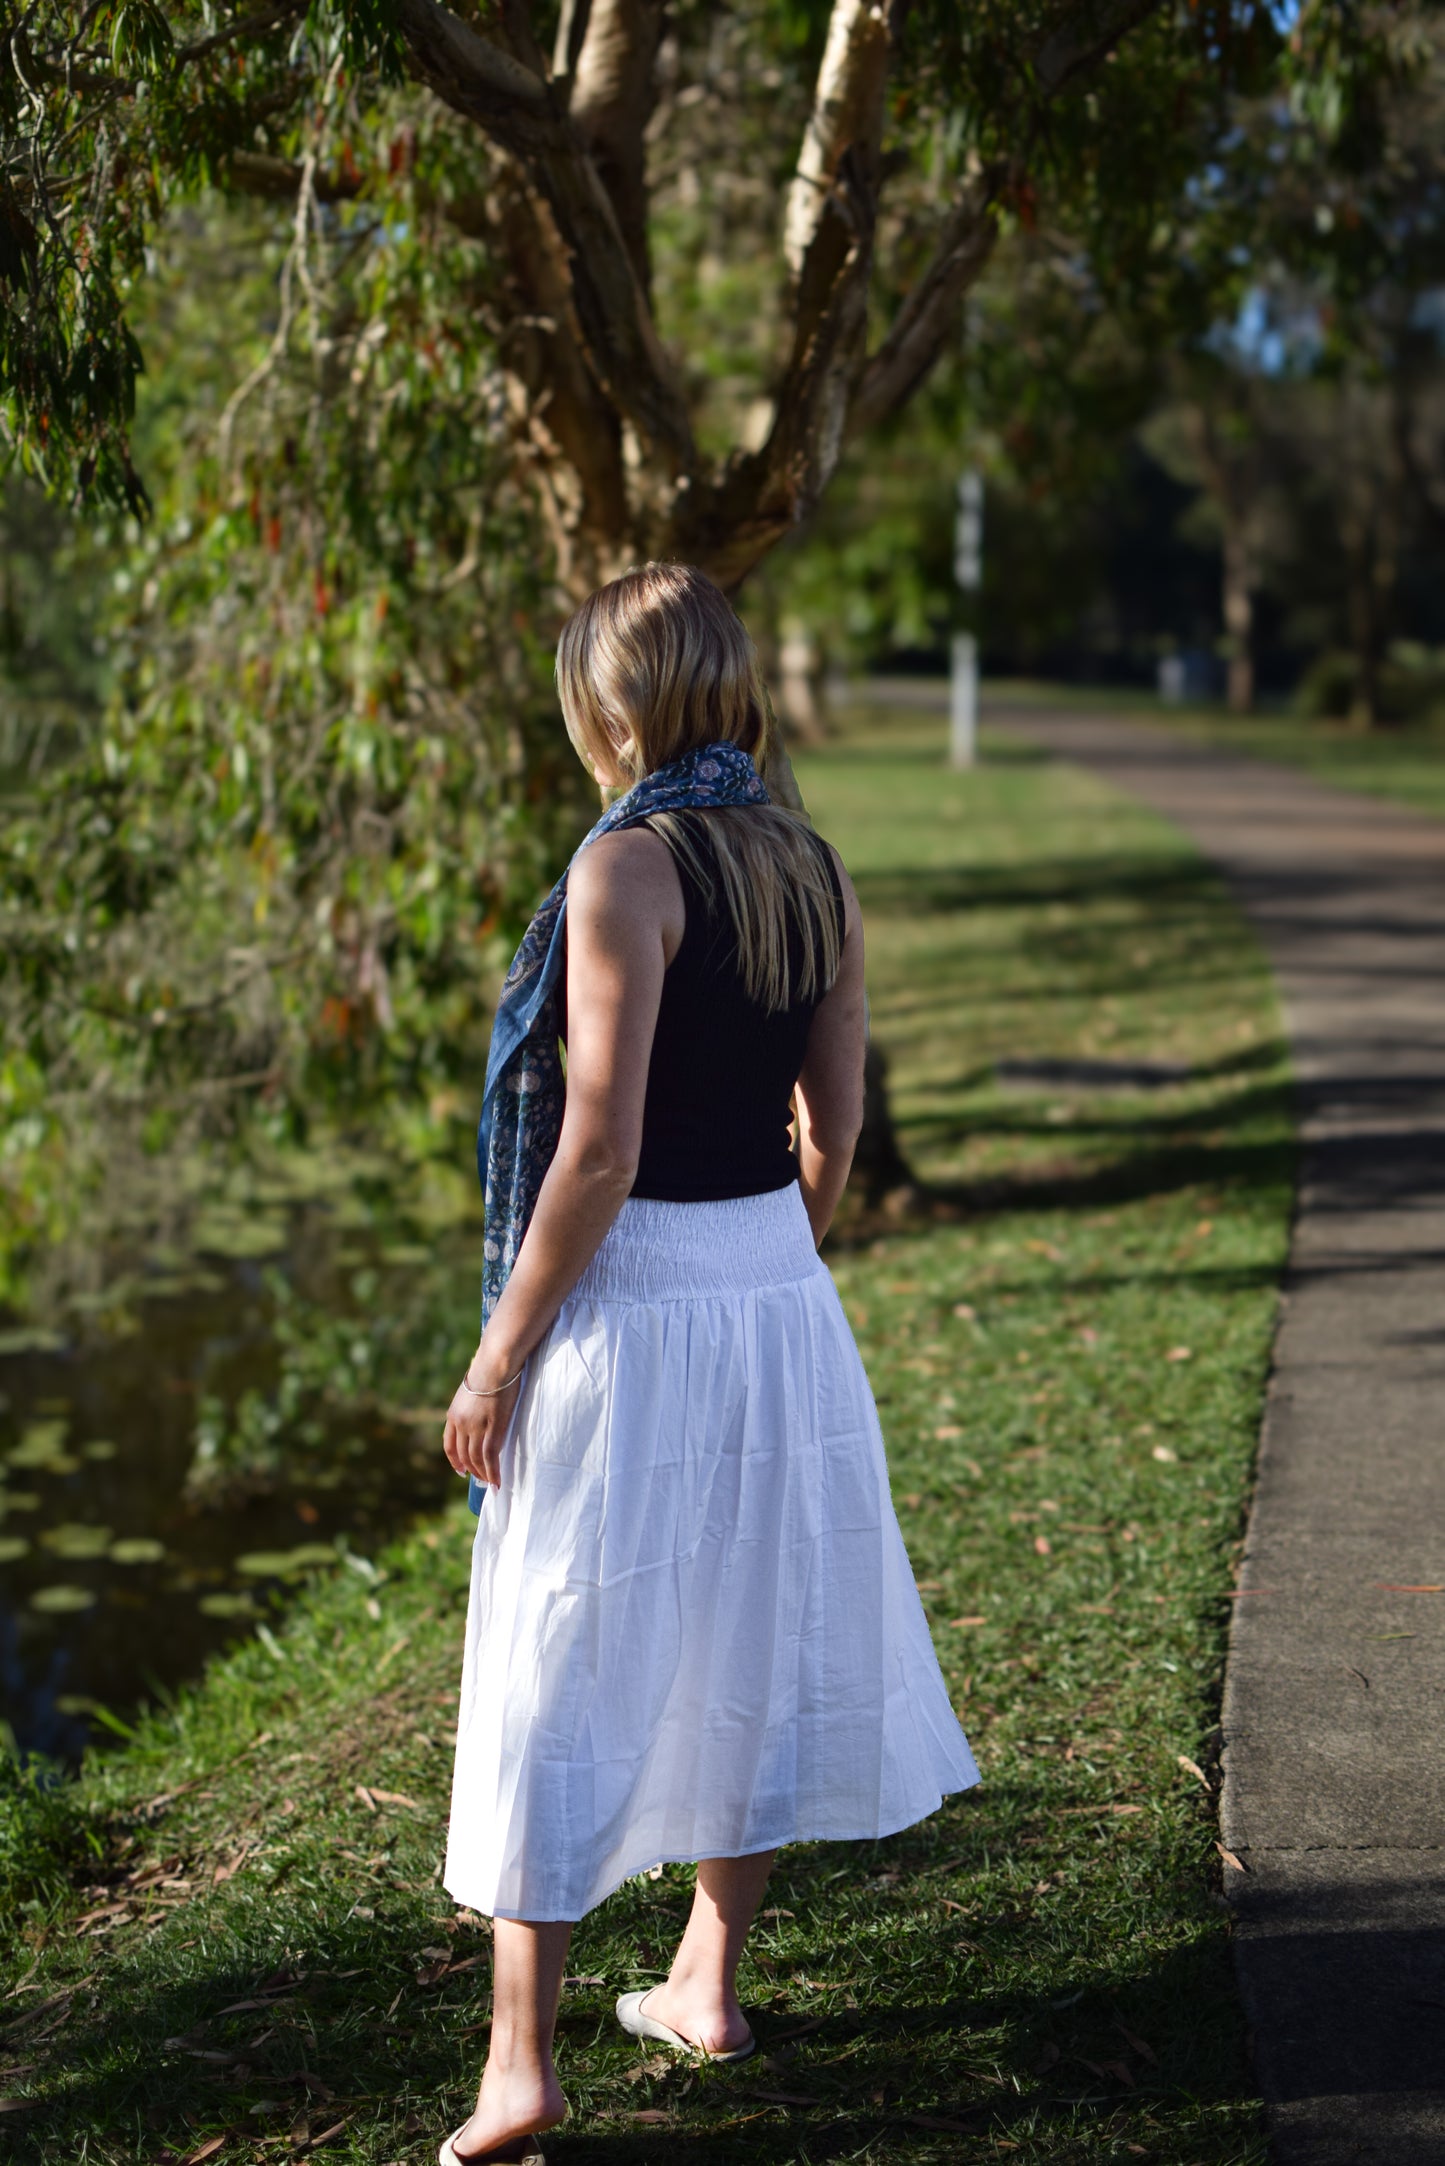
654,664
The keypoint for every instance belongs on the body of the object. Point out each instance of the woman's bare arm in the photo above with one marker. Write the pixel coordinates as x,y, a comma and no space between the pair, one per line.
624,916
830,1088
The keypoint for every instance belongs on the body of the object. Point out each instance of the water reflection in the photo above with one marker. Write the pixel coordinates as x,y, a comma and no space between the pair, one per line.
133,1539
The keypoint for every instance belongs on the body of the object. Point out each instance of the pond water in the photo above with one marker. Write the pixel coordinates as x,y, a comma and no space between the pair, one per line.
136,1536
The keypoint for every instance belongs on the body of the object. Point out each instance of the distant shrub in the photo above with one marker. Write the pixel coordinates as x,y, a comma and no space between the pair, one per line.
1412,685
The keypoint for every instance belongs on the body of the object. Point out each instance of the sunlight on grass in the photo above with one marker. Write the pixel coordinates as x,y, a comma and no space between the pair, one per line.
1068,1341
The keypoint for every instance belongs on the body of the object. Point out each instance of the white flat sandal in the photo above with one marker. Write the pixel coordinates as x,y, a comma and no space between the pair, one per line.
448,2155
631,2017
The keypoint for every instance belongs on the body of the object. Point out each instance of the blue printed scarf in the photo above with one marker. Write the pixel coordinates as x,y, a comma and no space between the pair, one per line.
524,1093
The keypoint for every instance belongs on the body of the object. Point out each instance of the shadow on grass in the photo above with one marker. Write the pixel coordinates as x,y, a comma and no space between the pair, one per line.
893,2018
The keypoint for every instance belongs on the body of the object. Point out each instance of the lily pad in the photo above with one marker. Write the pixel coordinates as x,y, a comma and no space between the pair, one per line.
307,1554
226,1605
42,1446
32,1340
11,1547
275,1563
99,1447
240,1235
57,1601
76,1539
136,1549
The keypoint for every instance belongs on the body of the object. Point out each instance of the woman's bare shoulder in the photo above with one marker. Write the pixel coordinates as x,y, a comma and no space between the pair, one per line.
850,893
630,868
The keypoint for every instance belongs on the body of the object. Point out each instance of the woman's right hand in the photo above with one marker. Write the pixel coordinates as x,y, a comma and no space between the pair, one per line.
476,1427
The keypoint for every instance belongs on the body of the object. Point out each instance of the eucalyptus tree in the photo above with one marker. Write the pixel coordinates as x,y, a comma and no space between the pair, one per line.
512,296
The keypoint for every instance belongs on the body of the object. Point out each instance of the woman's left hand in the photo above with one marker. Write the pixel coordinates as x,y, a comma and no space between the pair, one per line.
476,1428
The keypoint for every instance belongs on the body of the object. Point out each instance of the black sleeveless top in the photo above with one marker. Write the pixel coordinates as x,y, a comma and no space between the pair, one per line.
716,1117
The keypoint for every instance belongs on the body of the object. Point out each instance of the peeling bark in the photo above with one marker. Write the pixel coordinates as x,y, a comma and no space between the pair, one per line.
613,92
847,112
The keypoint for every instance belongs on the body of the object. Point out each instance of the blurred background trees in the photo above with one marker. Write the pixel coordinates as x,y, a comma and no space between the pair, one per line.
443,316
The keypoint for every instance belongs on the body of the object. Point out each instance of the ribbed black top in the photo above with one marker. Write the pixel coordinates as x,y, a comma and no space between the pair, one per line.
716,1116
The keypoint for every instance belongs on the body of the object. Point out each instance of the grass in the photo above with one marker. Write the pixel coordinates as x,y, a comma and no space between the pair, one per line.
1404,762
240,1948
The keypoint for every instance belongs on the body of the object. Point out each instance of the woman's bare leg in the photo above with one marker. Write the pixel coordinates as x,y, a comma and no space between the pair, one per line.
699,1996
520,2093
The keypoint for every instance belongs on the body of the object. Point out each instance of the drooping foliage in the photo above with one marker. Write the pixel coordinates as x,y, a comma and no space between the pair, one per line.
444,316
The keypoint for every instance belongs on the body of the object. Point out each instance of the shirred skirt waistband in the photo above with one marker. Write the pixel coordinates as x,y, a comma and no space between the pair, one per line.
656,1250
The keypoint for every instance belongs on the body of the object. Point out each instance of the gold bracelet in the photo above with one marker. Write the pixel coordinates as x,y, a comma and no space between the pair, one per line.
496,1390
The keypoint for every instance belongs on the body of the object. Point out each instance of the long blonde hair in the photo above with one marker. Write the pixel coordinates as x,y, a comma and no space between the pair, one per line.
652,665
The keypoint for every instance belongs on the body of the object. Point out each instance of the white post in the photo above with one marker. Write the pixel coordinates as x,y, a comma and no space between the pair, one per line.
963,658
963,700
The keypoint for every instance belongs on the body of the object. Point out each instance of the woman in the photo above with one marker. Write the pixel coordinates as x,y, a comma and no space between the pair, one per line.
693,1631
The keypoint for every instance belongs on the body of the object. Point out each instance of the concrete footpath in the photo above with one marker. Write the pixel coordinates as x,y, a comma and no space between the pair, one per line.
1334,1707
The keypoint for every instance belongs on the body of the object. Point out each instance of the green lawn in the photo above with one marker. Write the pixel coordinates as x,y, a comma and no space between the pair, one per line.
1404,762
248,1951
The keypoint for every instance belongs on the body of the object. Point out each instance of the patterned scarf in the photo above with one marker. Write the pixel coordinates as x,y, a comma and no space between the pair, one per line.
524,1094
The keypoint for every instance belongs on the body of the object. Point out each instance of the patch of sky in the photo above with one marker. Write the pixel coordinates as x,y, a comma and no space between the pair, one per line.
1270,334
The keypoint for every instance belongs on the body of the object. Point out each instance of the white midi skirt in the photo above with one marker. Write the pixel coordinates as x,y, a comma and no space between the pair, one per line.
692,1629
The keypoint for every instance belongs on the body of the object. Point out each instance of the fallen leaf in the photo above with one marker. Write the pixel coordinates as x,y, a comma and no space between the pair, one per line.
205,2150
949,1430
1141,2047
1043,1547
1180,1353
786,2098
365,1796
230,1870
1192,1767
107,1910
968,1620
966,1310
393,1797
1165,1454
651,2113
1230,1859
1122,2071
1388,1586
929,1586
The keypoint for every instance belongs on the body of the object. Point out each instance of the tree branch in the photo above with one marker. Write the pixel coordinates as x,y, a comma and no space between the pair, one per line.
1083,38
847,111
518,111
1079,41
927,315
255,174
612,96
521,37
829,223
571,30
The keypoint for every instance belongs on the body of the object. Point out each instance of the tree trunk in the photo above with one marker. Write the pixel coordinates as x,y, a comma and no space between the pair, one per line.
800,683
1238,600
